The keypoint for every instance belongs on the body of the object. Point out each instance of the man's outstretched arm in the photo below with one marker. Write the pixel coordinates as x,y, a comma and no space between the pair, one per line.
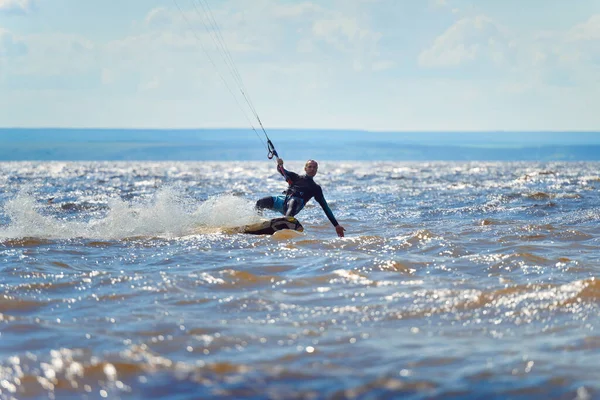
323,203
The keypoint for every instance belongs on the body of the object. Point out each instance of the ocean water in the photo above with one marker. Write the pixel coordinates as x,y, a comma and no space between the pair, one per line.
456,280
60,144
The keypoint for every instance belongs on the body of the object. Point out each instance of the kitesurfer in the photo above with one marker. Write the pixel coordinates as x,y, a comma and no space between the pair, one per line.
301,189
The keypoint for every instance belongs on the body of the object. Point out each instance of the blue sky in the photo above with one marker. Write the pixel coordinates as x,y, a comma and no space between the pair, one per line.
399,65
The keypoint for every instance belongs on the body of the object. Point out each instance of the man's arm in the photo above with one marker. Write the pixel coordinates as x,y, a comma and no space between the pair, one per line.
289,176
323,203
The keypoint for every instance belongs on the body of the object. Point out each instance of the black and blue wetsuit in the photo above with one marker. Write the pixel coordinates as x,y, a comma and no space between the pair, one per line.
301,189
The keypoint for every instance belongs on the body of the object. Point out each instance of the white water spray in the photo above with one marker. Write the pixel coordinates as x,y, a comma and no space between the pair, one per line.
169,213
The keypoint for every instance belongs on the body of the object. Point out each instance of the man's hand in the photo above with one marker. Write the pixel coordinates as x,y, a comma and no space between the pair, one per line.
279,161
340,230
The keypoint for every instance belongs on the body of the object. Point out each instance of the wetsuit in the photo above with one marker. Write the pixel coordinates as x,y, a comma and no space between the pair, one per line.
301,189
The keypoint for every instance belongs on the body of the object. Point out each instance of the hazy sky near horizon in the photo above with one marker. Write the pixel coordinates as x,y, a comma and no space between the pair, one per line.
399,65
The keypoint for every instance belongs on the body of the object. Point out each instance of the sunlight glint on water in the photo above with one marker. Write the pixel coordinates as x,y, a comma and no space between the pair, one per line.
455,280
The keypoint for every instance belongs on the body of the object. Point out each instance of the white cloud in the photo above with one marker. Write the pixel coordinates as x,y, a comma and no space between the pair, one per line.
10,45
299,58
16,6
158,17
152,84
579,48
589,30
279,32
295,10
107,76
568,57
467,40
443,5
383,65
438,3
54,54
344,33
525,66
345,36
183,28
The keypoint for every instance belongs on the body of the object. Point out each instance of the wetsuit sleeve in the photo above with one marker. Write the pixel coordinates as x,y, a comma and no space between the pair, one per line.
290,176
323,203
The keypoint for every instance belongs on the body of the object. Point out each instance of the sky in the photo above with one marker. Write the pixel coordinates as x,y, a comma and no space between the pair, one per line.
380,65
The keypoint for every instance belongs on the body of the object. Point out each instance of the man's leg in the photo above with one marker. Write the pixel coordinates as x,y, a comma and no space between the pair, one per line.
275,203
294,205
265,202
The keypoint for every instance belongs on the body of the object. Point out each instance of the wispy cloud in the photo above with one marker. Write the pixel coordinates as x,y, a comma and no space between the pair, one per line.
468,40
16,6
588,30
387,64
10,45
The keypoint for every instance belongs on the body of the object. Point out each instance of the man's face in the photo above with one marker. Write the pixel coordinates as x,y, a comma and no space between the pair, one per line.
311,168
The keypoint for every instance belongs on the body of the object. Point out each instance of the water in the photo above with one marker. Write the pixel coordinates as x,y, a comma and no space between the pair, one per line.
456,280
242,144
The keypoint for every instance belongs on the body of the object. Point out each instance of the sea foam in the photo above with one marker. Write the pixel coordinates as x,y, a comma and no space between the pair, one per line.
168,213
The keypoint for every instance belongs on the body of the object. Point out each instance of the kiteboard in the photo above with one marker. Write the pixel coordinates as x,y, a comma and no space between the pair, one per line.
271,226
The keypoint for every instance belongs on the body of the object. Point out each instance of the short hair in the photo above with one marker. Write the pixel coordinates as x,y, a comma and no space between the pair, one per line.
309,161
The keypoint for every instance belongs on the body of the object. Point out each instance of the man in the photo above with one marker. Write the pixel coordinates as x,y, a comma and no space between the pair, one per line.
301,189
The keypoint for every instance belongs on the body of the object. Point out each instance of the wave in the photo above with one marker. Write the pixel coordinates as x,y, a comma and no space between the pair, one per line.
167,214
140,372
14,304
517,304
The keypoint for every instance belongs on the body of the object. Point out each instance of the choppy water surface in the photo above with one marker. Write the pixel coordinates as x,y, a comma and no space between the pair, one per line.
455,280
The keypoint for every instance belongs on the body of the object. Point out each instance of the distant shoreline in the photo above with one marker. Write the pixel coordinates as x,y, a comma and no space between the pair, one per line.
89,144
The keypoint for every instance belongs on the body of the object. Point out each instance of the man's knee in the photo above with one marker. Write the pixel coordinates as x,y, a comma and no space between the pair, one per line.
265,202
293,207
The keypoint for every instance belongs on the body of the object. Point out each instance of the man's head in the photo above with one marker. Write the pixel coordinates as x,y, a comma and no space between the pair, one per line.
311,168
